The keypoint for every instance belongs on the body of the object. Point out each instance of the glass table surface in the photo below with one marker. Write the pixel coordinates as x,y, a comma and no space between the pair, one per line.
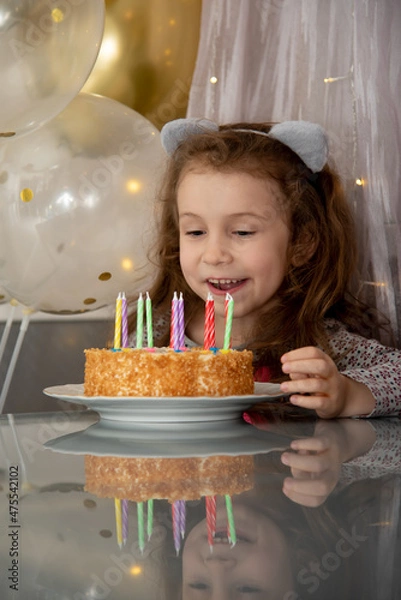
91,509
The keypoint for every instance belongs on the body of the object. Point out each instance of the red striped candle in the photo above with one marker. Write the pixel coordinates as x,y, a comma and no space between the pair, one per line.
209,332
210,519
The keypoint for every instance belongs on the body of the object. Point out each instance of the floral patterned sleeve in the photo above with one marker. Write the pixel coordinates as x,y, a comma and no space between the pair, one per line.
382,459
368,362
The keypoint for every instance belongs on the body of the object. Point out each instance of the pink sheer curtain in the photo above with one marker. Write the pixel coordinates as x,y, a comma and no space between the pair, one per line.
335,62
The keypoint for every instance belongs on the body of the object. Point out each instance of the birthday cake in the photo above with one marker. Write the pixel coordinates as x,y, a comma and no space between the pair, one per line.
163,372
141,479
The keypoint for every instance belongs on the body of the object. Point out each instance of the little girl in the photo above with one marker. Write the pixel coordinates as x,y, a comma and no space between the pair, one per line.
255,210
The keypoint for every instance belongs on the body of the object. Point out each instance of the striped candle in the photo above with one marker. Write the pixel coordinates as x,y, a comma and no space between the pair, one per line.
183,517
124,321
209,331
141,527
117,323
149,322
176,526
181,322
150,519
229,310
139,322
124,509
117,509
211,519
232,536
173,322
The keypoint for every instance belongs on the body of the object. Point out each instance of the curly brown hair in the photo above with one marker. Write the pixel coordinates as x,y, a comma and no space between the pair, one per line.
322,253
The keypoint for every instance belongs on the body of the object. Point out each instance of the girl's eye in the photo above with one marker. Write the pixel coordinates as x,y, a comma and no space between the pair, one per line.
194,232
198,585
244,233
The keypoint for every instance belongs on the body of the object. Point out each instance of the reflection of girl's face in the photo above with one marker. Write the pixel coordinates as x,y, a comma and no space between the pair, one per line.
257,567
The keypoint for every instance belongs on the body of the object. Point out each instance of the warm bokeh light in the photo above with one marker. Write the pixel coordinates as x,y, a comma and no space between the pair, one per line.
134,186
127,264
136,570
213,79
359,181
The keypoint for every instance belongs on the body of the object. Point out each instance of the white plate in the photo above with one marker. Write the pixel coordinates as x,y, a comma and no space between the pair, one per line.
170,440
162,410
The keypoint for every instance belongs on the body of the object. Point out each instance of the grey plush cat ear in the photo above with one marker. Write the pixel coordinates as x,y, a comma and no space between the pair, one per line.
308,140
175,132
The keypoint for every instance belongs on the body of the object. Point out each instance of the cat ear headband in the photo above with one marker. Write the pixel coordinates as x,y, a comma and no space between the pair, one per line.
308,140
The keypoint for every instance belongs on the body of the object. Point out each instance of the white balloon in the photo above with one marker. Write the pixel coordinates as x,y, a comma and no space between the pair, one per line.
47,51
76,210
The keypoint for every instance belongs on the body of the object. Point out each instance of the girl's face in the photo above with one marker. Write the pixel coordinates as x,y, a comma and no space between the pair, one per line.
257,567
233,238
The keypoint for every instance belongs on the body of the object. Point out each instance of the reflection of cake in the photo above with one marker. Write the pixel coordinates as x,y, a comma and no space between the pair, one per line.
141,479
165,372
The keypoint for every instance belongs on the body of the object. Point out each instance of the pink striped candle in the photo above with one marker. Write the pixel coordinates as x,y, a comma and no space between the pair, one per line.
173,321
209,332
181,322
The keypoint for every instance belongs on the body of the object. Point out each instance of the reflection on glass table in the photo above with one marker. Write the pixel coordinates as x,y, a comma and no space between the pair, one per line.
336,535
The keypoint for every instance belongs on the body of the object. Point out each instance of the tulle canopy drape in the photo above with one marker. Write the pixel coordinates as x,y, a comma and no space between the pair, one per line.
334,62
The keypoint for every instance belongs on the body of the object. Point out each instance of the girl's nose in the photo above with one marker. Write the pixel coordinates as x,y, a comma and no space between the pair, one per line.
215,252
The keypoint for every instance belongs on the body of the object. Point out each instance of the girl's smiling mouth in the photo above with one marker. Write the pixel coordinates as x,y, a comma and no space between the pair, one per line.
225,285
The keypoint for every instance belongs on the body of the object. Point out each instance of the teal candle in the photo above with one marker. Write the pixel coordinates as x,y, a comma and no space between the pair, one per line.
229,321
149,323
150,519
141,527
230,517
139,322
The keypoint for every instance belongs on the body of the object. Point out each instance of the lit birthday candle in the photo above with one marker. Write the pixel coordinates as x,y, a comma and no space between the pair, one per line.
149,322
209,332
117,323
139,322
229,310
124,321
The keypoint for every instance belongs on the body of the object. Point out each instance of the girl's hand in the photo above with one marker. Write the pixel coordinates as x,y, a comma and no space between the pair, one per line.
330,394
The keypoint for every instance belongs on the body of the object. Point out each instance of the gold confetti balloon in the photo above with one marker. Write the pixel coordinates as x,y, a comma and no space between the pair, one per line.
47,52
76,210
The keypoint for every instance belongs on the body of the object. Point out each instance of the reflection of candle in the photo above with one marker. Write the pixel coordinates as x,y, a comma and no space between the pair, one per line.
183,517
211,519
180,323
124,321
117,507
139,322
150,518
124,507
229,306
141,526
232,536
209,332
117,323
149,323
176,527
